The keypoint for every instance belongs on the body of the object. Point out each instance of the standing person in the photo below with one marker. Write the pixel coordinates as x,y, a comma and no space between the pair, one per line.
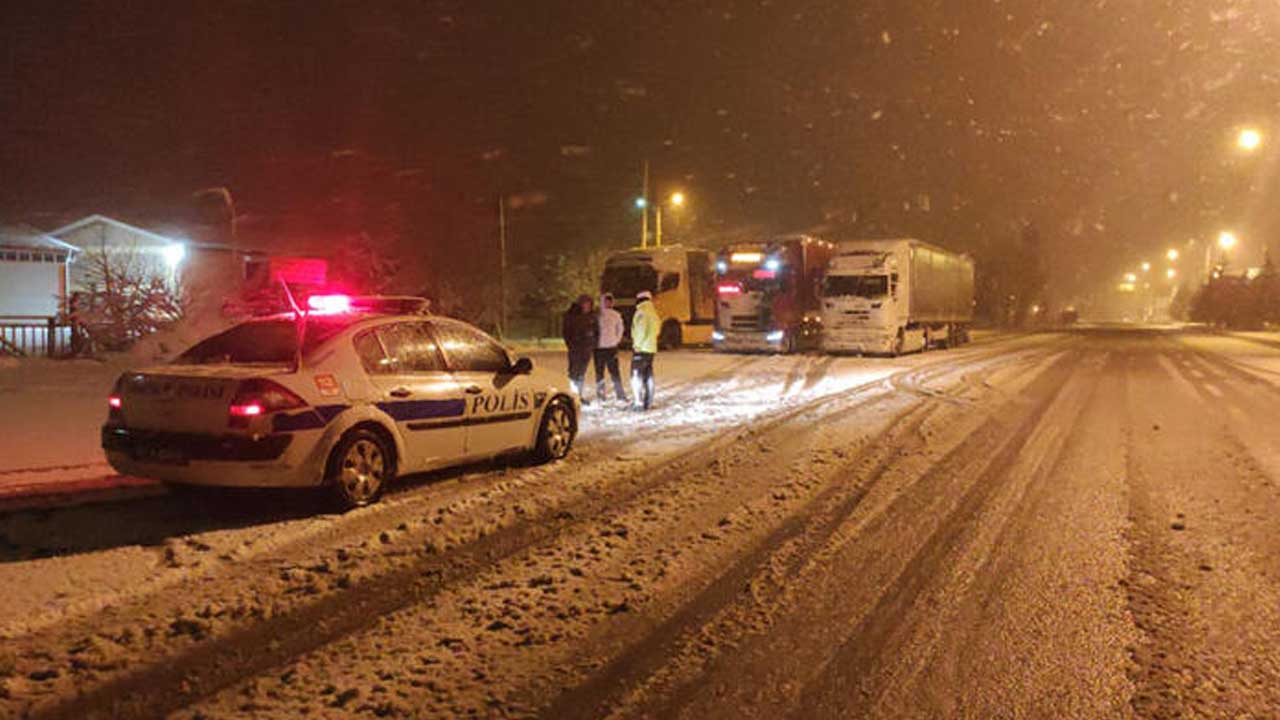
644,345
606,356
579,329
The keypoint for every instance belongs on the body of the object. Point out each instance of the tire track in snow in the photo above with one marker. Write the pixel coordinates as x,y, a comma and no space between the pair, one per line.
212,665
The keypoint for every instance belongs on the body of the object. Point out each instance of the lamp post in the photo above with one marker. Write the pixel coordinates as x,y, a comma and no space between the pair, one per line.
1226,241
225,195
676,201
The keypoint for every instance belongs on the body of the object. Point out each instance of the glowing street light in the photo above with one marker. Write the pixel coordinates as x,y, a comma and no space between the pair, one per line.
1249,139
1226,240
676,201
1172,255
1146,267
1131,277
1171,273
641,203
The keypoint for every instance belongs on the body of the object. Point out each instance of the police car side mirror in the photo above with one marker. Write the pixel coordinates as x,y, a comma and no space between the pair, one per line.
522,366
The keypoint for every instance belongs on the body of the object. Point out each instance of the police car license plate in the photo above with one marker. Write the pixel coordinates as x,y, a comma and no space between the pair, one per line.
159,453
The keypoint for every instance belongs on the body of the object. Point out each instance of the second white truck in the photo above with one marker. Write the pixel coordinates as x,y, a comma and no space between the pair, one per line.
895,296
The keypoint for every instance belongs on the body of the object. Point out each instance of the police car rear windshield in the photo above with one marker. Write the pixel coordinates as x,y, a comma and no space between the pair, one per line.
263,341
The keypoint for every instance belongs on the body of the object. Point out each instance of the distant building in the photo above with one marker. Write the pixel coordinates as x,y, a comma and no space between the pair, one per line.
34,272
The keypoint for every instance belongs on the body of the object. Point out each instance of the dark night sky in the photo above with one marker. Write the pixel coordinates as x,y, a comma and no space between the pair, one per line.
1107,124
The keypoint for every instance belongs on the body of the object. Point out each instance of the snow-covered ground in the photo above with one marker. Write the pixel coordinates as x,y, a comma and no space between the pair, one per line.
66,566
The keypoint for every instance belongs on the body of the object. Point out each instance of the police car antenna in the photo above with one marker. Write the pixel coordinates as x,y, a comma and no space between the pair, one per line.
300,318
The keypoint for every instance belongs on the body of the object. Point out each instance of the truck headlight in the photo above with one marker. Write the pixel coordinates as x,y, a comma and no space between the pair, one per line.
775,336
716,336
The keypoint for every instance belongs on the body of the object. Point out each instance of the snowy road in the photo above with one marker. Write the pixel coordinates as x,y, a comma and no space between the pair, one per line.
1057,525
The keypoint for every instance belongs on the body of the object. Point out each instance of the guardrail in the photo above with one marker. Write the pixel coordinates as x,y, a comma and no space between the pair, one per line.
32,335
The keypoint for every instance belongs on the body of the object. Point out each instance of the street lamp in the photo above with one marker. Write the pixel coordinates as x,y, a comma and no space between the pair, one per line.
1146,267
676,200
1249,139
1226,240
1131,278
1172,255
1171,273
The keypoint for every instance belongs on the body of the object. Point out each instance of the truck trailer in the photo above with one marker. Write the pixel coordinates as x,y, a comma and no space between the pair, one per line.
767,294
895,296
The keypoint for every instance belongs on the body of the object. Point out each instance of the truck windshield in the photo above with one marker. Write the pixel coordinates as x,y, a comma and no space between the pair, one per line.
261,341
624,281
868,286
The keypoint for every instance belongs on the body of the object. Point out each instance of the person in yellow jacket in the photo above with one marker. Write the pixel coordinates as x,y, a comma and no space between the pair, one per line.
645,326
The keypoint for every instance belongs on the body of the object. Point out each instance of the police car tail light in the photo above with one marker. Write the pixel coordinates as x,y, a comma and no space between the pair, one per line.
261,397
115,401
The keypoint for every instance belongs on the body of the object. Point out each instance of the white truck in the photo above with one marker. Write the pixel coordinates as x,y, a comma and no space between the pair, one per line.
682,281
895,296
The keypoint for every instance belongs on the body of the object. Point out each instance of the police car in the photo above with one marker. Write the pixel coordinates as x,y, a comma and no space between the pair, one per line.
347,397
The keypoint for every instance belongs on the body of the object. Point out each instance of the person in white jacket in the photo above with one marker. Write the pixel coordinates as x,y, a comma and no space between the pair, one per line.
606,355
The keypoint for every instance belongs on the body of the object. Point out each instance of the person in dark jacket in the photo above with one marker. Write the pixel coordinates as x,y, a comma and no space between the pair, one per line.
581,330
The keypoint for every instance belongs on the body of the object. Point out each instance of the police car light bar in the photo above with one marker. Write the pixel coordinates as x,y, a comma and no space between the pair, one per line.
329,303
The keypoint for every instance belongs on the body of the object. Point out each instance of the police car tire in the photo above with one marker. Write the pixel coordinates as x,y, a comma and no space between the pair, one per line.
552,443
372,447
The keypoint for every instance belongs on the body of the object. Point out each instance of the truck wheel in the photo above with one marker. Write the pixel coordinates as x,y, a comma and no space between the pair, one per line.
556,433
898,343
670,337
359,468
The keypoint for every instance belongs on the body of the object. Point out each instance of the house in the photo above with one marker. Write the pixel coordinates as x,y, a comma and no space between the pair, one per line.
34,273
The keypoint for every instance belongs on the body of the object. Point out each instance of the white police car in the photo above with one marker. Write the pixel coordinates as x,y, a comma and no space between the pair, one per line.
365,397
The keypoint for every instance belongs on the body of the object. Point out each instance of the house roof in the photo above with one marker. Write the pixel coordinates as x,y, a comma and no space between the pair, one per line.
96,218
25,236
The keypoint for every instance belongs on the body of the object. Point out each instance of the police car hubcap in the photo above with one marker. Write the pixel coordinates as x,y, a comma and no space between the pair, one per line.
362,470
558,431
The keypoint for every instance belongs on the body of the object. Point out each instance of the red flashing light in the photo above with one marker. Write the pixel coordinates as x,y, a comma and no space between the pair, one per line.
327,304
248,410
728,288
114,402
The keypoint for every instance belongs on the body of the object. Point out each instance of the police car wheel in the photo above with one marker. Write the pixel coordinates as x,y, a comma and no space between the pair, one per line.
555,435
359,467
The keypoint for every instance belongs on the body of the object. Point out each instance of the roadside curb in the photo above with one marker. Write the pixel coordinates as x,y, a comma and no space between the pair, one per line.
65,493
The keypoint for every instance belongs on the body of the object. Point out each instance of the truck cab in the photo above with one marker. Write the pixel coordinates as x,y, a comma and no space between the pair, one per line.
766,294
894,296
682,284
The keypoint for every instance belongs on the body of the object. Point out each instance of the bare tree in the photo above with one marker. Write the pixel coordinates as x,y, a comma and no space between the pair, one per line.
128,295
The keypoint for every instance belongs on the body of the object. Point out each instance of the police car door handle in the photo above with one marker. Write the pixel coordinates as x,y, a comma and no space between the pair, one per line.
400,392
474,390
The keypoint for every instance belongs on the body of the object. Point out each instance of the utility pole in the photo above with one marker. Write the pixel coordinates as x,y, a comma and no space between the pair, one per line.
644,208
502,267
657,229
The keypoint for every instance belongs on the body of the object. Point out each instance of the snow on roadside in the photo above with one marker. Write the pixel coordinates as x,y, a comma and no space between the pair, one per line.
172,578
52,410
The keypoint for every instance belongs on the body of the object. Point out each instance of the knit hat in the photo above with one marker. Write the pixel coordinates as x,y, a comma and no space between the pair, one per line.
644,295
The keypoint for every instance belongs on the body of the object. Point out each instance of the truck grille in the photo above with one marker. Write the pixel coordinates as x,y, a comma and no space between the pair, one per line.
744,322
